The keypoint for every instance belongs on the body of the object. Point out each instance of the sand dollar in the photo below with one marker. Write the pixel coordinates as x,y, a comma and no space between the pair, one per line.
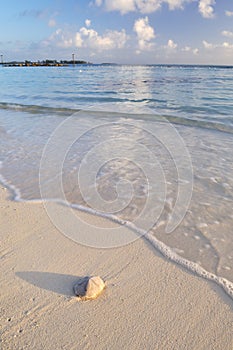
88,288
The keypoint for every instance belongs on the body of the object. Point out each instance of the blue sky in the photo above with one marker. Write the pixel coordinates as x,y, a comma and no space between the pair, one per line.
121,31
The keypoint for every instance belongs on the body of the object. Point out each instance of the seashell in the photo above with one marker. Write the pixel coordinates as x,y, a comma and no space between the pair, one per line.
88,288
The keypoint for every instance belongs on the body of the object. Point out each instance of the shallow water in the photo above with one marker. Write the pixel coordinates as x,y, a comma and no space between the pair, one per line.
170,177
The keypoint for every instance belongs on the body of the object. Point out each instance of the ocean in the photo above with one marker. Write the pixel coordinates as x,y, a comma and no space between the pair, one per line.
149,147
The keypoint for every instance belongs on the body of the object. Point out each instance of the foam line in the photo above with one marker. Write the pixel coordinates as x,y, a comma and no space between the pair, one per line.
162,248
189,265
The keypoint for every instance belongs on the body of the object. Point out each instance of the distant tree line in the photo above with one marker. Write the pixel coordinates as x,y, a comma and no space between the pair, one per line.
46,62
74,62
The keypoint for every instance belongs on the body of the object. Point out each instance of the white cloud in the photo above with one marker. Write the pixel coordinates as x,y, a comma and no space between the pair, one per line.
87,38
229,13
142,6
189,49
206,8
227,45
171,45
208,45
186,49
88,23
78,41
224,45
52,22
110,40
59,38
145,33
123,6
176,4
227,33
149,6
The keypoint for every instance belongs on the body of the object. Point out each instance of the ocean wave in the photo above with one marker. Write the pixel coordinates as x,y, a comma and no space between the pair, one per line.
36,109
128,110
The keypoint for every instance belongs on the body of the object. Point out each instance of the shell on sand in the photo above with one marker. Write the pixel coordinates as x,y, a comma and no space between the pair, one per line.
88,288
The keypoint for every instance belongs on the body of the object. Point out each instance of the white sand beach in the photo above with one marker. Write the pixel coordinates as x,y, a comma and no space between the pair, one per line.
149,302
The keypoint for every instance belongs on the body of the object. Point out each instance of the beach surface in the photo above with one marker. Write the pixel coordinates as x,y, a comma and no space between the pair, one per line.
149,302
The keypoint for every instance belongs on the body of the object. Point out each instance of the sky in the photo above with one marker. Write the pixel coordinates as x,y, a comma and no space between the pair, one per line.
118,31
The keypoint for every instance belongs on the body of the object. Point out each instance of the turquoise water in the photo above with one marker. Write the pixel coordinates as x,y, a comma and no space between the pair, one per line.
95,137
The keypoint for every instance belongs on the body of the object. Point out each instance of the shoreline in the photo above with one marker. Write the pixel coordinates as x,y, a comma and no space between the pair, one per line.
149,301
87,214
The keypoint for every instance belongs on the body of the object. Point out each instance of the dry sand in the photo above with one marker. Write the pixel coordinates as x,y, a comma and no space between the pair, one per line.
149,302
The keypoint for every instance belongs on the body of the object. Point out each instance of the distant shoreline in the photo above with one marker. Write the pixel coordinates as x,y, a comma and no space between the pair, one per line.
54,63
44,63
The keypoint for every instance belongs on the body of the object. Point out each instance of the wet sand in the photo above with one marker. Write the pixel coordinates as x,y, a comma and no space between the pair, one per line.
149,302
